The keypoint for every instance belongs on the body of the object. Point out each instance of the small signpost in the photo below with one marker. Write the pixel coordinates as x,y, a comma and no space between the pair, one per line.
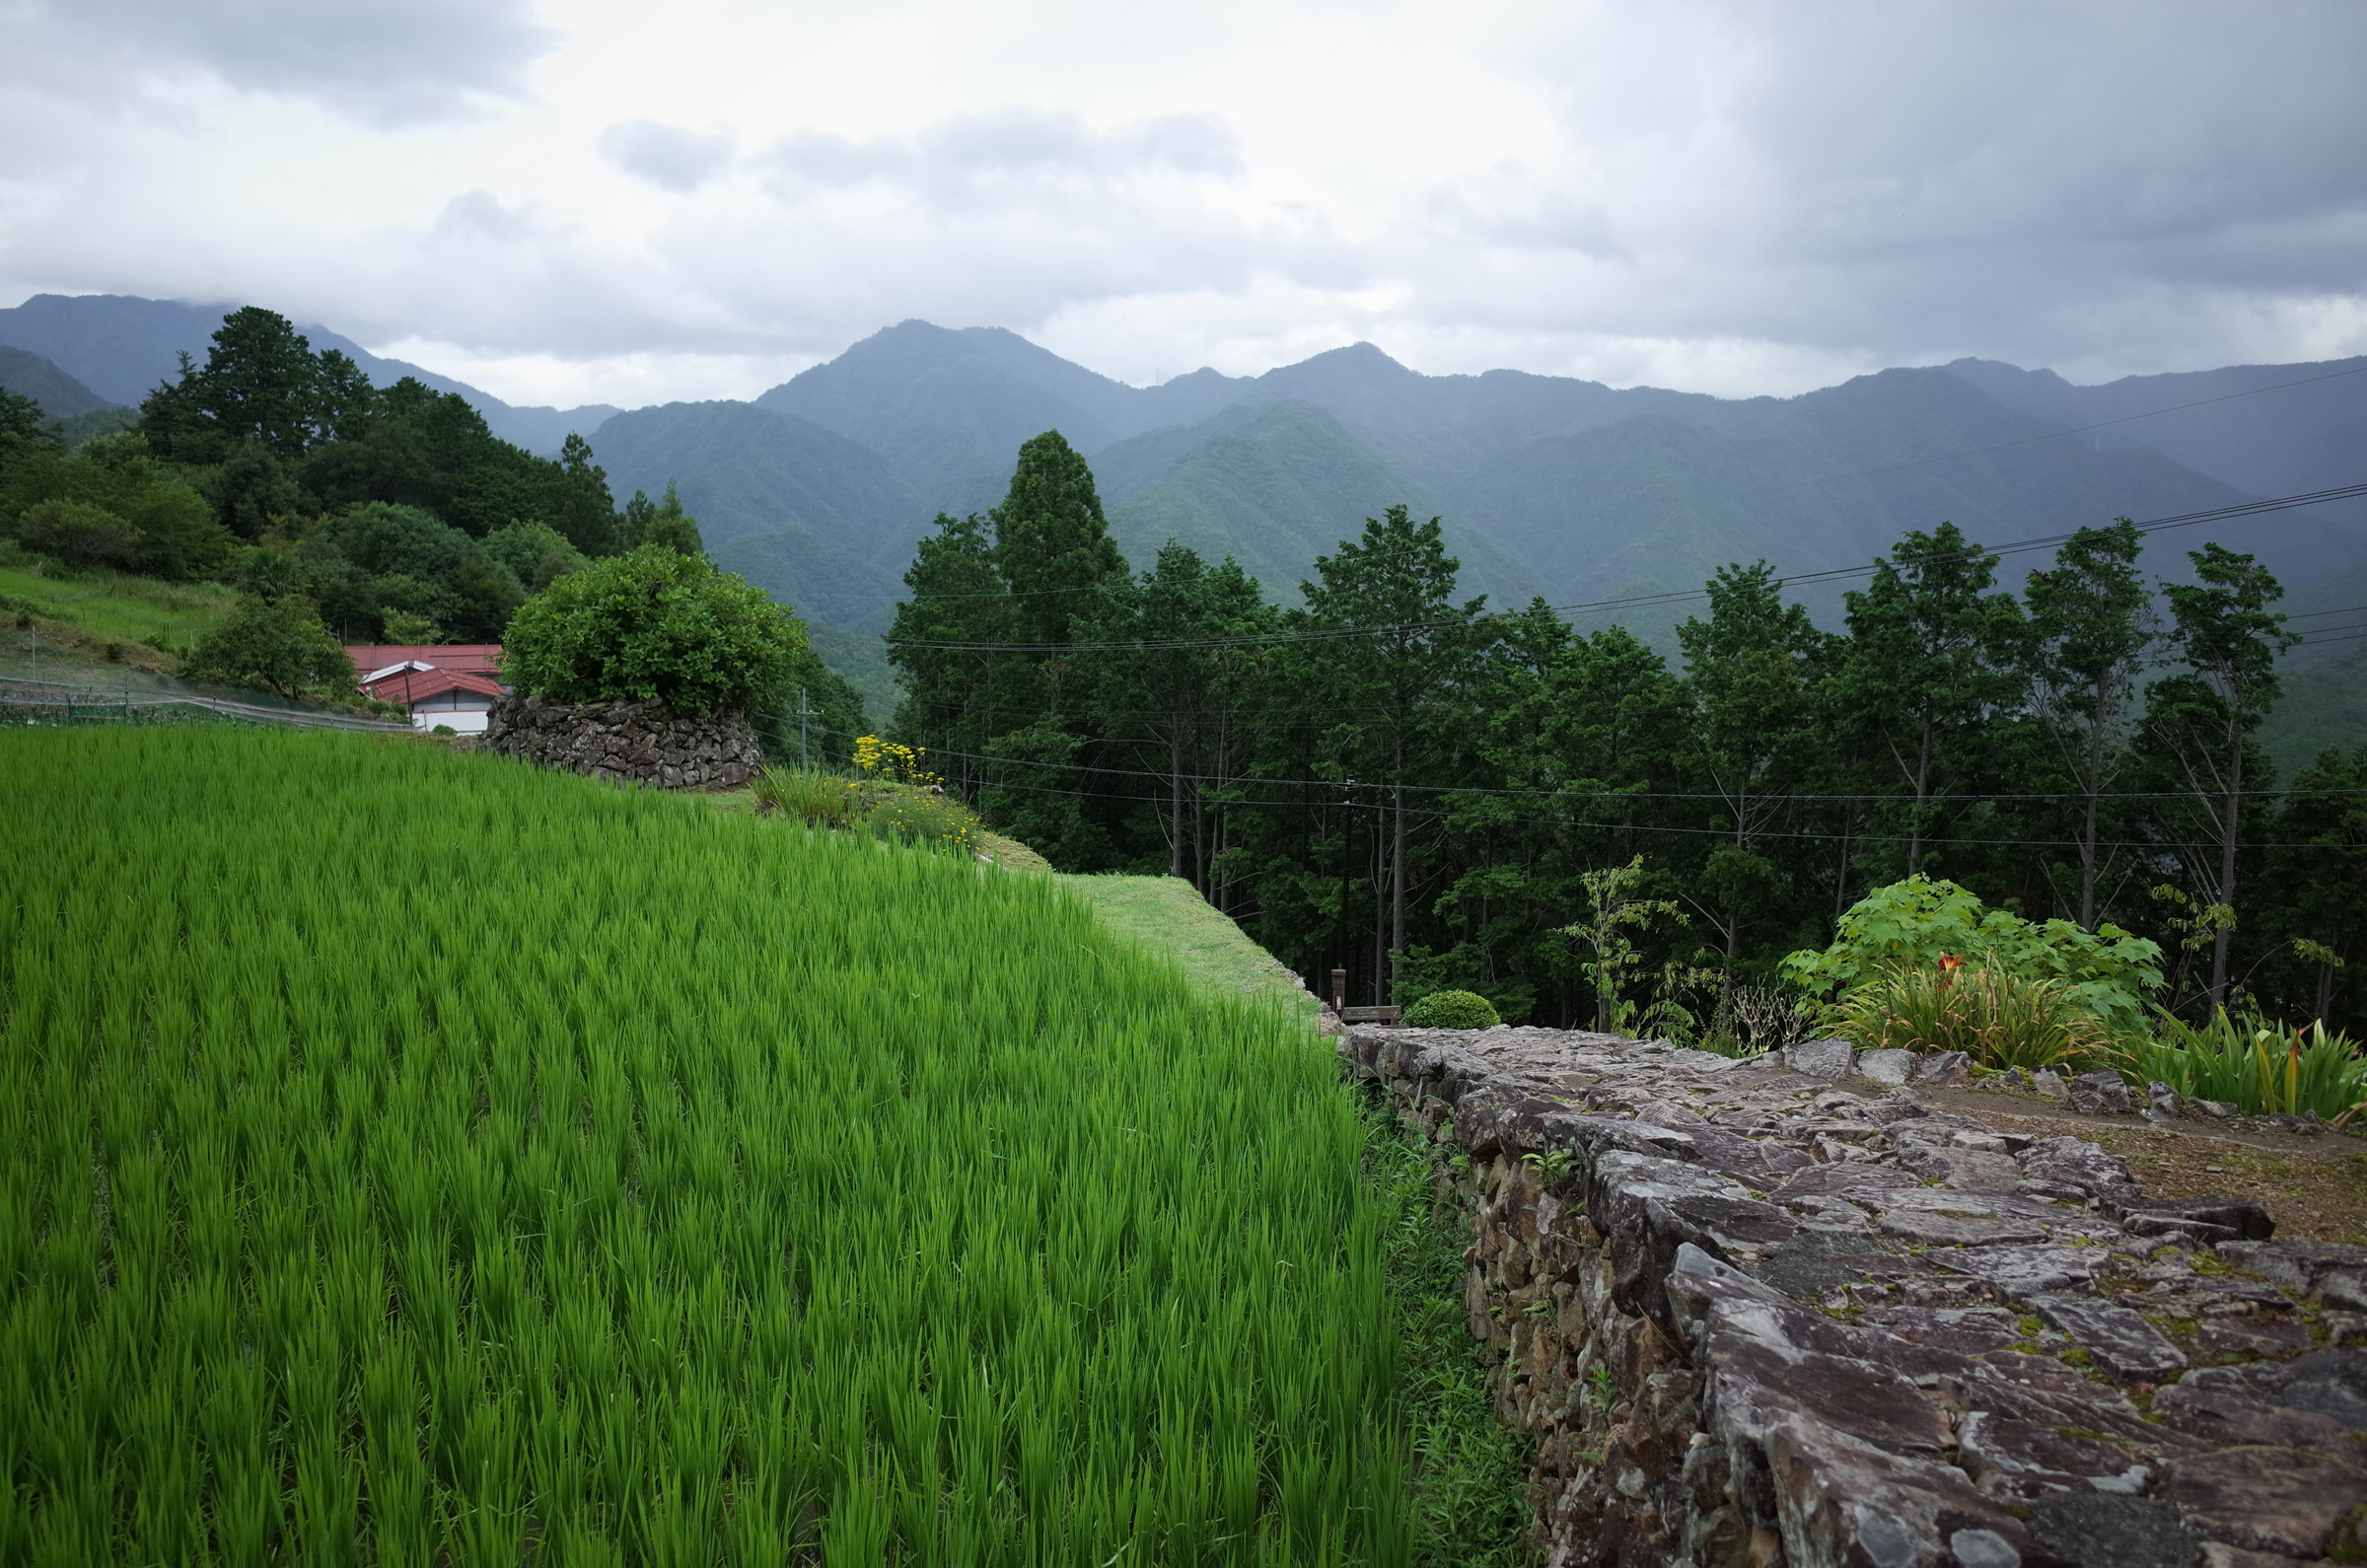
1358,1015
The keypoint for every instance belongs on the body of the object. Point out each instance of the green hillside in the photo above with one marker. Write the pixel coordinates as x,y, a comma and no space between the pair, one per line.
1274,485
897,1211
60,395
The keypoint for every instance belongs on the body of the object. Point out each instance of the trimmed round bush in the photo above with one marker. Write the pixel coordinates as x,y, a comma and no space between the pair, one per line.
1452,1009
654,624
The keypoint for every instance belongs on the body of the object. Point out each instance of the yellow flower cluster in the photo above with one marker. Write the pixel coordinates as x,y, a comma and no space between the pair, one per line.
888,760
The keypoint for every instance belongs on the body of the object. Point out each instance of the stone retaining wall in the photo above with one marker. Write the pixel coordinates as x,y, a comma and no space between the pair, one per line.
644,742
1756,1318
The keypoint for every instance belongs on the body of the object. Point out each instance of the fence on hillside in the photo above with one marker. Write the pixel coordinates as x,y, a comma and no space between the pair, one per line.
57,702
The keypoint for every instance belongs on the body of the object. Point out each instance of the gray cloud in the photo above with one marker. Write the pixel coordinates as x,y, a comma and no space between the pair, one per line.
1003,154
666,156
387,61
1713,193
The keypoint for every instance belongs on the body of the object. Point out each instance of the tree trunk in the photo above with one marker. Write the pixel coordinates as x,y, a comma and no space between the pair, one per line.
1914,841
2095,788
2225,936
1175,810
1397,889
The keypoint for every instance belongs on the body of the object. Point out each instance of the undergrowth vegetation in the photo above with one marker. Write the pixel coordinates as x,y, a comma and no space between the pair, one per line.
2255,1066
1466,1465
913,814
584,1174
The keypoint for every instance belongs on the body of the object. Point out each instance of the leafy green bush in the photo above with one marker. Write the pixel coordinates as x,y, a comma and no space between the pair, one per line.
2253,1064
1998,1018
277,646
1913,925
1452,1009
651,624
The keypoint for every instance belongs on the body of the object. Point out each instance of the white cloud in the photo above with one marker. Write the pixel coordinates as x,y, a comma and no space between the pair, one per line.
617,202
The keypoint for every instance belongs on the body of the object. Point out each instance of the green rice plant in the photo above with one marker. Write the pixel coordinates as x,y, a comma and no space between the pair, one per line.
808,794
1996,1017
2256,1065
410,1156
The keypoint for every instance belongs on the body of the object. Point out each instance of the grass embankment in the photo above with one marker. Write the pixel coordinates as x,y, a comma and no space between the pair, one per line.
1166,915
150,622
410,1156
1467,1466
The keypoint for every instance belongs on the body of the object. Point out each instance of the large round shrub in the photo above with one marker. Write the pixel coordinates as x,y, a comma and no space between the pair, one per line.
1452,1009
652,625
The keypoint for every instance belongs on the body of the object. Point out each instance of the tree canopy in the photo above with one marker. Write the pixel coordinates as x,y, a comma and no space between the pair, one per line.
653,625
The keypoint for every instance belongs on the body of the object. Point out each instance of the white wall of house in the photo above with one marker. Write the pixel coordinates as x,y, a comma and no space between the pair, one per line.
465,711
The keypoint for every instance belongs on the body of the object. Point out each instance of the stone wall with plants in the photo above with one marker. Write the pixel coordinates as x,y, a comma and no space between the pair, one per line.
640,742
1770,1311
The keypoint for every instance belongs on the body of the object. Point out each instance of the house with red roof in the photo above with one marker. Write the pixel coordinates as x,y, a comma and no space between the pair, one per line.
451,684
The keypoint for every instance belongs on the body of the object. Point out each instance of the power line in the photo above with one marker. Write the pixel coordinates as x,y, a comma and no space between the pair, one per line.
1224,781
1674,595
1652,828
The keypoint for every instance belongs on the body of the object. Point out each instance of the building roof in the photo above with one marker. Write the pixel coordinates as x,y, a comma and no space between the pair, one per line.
476,657
406,684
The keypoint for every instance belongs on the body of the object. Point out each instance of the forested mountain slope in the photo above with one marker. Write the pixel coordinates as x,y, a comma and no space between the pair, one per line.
60,395
121,347
824,524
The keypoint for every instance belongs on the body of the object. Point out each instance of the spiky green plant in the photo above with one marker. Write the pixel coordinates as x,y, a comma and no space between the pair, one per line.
2255,1066
410,1157
808,794
1998,1018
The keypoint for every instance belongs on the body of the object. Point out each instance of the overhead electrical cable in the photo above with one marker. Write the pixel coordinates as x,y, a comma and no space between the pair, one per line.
1831,574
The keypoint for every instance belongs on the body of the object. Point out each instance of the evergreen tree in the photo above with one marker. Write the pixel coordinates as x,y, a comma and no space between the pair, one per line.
2200,721
1174,692
2091,631
260,383
1052,543
1392,654
1934,656
1755,670
950,643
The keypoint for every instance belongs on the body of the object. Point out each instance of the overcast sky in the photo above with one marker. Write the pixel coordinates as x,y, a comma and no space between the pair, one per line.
570,202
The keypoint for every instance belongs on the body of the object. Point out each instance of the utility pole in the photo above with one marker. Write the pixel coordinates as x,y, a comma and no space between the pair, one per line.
804,757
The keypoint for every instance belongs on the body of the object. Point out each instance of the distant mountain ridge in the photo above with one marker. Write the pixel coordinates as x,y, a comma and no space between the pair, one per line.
819,488
120,346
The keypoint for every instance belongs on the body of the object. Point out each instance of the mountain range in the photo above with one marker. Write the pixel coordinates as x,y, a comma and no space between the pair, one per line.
819,488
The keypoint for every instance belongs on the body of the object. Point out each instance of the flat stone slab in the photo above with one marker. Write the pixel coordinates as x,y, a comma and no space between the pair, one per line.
2123,1343
1821,1058
2020,1273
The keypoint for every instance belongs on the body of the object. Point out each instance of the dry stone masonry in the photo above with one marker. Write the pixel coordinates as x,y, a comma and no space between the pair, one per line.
645,742
1778,1312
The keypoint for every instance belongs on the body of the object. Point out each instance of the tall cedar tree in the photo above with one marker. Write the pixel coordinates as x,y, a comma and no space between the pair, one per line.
1172,697
1756,667
1393,687
1934,656
2201,720
2092,630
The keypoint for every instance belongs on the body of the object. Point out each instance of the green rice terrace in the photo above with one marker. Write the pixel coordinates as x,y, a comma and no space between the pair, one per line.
410,1157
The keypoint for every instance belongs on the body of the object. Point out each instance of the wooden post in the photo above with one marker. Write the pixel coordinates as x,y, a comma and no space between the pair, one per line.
1339,989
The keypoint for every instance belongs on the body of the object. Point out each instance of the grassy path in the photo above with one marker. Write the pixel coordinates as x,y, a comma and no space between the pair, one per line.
1166,915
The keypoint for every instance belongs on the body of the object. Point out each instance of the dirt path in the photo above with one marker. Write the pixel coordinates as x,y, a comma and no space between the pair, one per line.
2315,1186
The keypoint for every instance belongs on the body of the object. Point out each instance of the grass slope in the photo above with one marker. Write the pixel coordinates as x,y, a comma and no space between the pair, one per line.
117,606
411,1156
1166,915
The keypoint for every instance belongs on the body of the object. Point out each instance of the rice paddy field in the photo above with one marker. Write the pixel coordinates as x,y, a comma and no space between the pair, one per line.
407,1157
